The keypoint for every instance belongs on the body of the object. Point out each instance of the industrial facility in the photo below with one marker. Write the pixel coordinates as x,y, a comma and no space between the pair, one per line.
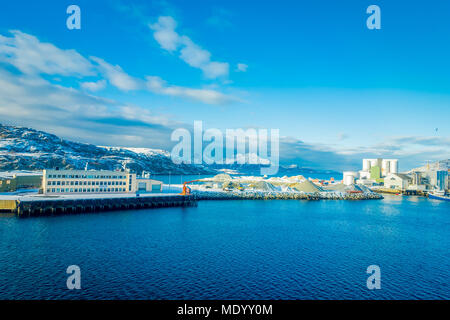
372,173
382,174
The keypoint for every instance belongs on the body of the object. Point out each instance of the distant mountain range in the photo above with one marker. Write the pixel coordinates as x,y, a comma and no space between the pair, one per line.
28,149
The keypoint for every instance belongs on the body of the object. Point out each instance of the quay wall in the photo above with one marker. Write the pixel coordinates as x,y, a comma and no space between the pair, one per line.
46,206
404,192
26,207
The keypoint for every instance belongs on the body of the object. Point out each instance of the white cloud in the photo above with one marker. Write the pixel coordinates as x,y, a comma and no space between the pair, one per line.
242,67
214,70
33,58
208,96
164,33
32,101
94,86
116,76
30,56
191,53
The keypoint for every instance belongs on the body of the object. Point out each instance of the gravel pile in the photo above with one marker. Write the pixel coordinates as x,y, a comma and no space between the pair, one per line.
255,195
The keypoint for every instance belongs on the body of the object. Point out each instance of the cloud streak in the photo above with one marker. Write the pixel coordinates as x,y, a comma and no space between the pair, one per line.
241,67
157,85
33,57
116,76
71,113
164,32
30,56
94,86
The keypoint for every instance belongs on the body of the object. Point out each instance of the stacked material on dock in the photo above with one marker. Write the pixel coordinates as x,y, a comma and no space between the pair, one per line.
255,195
306,186
262,186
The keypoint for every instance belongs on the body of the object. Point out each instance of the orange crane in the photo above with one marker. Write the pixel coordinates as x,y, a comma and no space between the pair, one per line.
186,190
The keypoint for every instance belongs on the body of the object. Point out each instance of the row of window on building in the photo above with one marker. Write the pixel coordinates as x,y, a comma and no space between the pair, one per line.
84,190
86,183
81,176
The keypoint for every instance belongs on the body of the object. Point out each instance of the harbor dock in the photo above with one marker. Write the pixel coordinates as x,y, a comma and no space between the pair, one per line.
37,205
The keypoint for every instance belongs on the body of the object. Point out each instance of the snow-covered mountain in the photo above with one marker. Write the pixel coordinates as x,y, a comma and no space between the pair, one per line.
29,149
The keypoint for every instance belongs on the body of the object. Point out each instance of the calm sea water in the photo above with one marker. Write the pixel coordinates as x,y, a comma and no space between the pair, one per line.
234,250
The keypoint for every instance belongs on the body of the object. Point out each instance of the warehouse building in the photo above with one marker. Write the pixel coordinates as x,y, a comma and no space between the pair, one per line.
16,181
96,181
397,181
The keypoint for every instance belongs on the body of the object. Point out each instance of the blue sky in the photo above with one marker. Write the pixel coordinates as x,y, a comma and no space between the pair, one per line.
138,69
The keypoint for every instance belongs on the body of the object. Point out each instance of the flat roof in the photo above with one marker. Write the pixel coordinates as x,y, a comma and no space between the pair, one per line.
11,174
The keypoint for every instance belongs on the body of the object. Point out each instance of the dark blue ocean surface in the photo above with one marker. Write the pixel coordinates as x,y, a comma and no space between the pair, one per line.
234,250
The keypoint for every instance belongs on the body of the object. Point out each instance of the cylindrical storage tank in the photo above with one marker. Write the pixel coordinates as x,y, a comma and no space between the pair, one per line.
394,166
373,162
366,165
385,167
349,177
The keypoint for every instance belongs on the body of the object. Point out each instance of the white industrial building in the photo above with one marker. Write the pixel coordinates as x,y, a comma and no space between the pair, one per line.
372,171
397,181
387,166
96,181
350,177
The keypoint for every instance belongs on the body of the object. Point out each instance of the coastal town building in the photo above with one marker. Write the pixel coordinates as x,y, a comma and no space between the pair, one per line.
96,181
432,177
397,181
145,184
16,181
442,180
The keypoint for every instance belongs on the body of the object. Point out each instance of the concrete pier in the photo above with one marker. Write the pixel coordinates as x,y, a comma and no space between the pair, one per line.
40,206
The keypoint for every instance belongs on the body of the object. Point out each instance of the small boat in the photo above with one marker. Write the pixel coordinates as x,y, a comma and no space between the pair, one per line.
438,196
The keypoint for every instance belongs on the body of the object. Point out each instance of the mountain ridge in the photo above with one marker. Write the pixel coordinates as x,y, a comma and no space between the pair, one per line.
24,148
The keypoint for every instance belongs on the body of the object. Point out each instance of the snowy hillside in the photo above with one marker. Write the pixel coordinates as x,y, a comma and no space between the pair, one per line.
28,149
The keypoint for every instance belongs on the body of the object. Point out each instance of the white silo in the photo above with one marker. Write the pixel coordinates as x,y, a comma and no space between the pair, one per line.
349,177
366,165
394,166
373,162
385,167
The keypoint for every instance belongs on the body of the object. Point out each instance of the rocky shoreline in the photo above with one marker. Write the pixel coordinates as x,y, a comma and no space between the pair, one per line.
252,195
